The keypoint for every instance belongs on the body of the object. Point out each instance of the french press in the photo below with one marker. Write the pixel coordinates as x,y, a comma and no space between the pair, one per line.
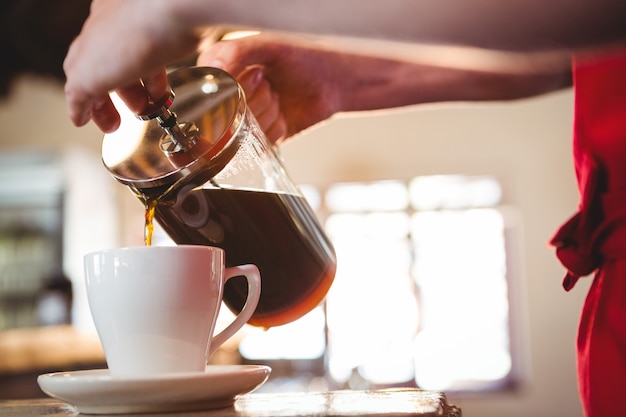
203,165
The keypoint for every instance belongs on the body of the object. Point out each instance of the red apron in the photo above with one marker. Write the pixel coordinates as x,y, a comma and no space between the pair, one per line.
594,239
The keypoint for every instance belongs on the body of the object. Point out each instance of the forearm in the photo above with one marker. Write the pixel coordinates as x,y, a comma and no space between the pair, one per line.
509,25
370,82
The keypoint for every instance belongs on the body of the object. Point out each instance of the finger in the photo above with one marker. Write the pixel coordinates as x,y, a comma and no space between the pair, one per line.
156,85
141,94
78,107
277,133
261,98
105,115
223,55
250,79
135,96
78,104
269,113
78,101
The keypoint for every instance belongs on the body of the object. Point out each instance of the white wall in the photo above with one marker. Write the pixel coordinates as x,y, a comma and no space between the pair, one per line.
525,143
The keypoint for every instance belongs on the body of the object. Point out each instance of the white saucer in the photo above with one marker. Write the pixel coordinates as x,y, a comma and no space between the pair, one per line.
97,392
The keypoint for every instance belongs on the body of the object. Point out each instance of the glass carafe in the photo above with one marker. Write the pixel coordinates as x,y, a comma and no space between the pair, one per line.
204,167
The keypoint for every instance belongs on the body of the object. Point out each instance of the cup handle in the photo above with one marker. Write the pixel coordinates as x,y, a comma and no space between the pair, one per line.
251,272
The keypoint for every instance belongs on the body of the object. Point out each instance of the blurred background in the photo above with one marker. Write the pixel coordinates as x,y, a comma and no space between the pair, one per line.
440,216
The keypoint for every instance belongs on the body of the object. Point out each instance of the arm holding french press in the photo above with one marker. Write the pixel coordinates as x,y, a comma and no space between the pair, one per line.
294,82
125,45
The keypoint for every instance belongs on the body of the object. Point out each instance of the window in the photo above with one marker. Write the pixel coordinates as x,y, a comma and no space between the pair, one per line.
422,292
372,307
458,237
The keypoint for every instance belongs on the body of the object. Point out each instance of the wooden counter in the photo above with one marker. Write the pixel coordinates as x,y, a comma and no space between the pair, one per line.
28,352
383,403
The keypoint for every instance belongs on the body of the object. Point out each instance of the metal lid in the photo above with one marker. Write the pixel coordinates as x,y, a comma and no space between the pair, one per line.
206,99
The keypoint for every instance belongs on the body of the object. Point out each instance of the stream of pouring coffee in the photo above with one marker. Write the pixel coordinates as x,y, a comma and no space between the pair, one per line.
149,225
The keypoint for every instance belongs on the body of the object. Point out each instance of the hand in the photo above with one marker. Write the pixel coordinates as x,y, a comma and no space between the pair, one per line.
290,84
142,38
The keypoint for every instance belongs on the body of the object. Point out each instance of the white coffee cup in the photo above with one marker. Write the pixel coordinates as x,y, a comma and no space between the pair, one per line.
155,307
